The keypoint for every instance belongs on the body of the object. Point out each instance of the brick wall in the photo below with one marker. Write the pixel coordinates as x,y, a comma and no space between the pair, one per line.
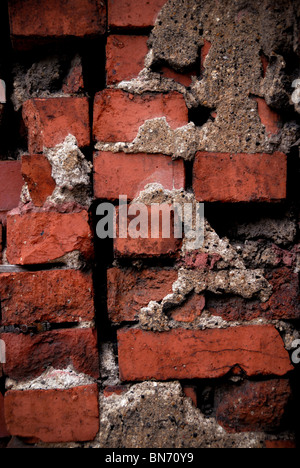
149,342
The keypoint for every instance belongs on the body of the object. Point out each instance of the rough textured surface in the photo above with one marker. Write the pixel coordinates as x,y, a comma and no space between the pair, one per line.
253,406
60,19
10,184
3,428
109,106
233,67
132,174
28,356
61,296
54,415
283,304
71,173
220,314
185,354
50,121
42,237
49,76
240,178
128,14
125,56
129,291
157,415
36,172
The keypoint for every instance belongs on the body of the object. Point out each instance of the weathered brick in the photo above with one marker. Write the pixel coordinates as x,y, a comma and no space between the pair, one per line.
3,428
36,172
183,78
284,303
74,82
59,296
201,354
190,391
190,310
280,444
114,390
69,415
125,57
234,178
33,21
11,184
41,237
1,242
118,115
129,290
269,118
28,356
130,14
253,406
50,121
132,172
147,245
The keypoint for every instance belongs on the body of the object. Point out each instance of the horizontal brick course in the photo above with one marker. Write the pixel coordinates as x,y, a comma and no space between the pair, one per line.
59,296
146,245
29,356
189,354
253,406
118,115
34,20
224,177
129,14
132,172
42,237
70,415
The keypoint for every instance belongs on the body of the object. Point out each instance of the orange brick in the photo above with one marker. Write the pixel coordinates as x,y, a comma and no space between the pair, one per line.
234,178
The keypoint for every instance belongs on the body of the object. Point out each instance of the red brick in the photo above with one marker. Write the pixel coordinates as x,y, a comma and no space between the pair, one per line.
146,247
28,356
36,171
190,310
74,82
1,242
284,303
234,178
115,390
269,118
125,56
11,184
201,354
130,14
70,415
33,22
190,391
129,290
3,428
253,406
58,296
265,63
183,78
196,260
42,237
280,444
50,121
118,115
132,172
